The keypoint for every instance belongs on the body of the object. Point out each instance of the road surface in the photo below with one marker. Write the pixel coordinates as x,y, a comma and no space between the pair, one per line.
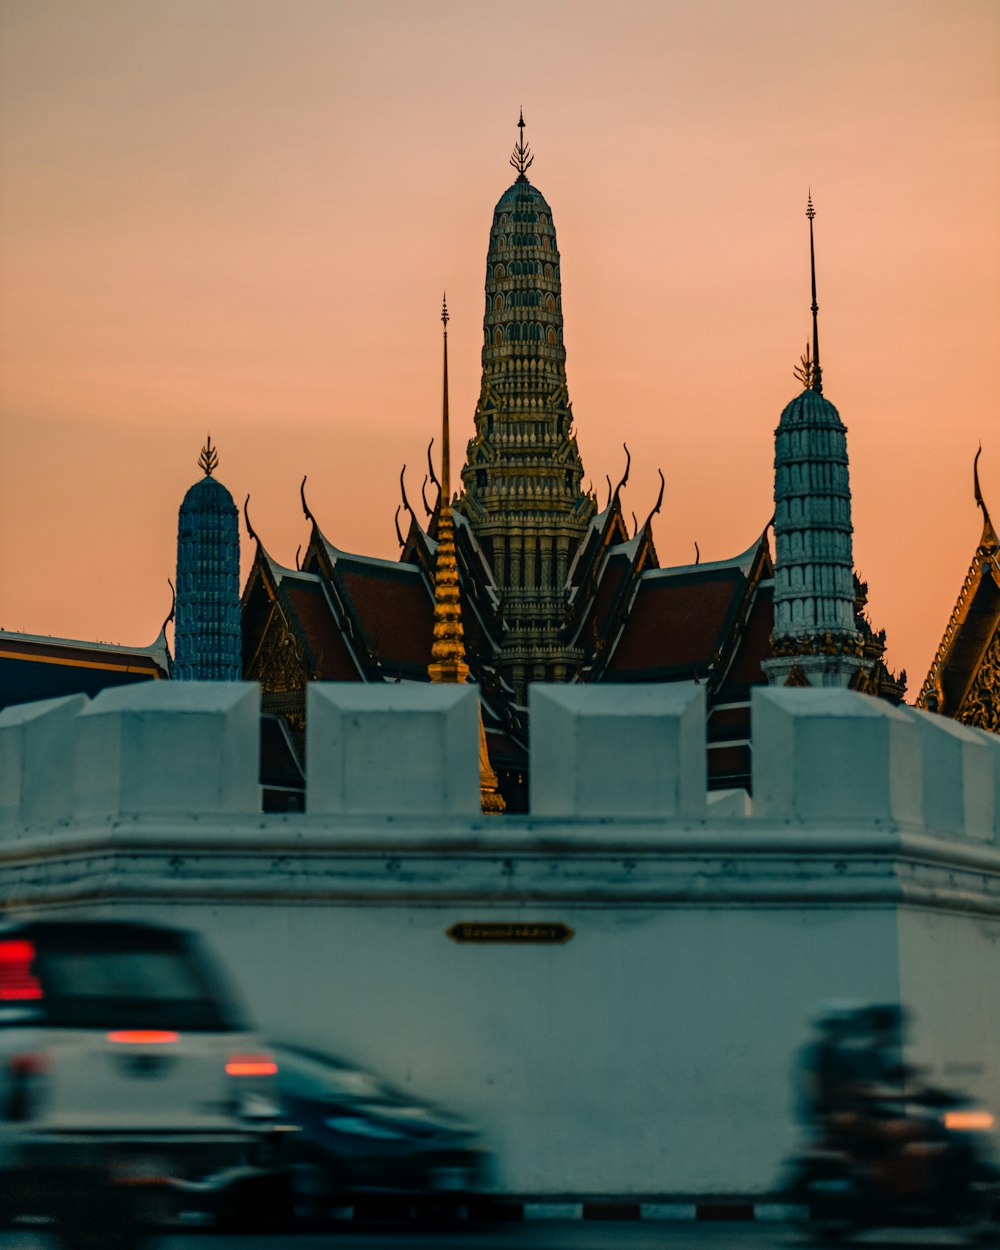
541,1235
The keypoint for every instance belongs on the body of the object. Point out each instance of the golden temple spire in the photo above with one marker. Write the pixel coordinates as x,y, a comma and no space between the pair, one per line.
448,652
816,382
209,458
448,649
521,158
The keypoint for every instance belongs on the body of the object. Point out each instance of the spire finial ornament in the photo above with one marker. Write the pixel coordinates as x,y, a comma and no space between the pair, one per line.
816,376
209,458
521,158
805,370
445,432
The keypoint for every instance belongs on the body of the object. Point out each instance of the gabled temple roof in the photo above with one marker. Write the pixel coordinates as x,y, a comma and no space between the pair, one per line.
682,622
35,666
972,638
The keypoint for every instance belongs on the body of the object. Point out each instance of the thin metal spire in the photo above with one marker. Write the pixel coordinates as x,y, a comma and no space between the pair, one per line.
521,159
445,432
817,373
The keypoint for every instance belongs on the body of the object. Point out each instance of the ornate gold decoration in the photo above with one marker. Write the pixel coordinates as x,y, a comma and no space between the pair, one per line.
805,370
796,677
448,649
827,644
278,665
976,705
981,706
209,458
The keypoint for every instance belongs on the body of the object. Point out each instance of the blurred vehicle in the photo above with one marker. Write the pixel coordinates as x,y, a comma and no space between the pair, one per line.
885,1148
361,1138
129,1085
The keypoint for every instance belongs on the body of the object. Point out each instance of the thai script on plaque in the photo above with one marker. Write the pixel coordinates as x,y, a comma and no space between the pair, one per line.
543,932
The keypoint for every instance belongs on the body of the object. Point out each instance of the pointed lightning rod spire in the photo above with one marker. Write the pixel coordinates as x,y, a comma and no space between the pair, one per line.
817,374
445,432
521,159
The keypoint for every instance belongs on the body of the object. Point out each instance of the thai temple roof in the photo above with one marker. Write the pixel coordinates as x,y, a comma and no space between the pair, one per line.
36,666
549,588
964,678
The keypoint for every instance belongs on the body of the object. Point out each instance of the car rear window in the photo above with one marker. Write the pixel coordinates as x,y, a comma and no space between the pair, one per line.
117,977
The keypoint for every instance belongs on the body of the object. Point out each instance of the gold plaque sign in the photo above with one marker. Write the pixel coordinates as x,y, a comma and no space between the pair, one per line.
511,931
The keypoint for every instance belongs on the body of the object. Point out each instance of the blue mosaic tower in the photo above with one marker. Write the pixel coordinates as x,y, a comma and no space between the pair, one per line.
816,640
207,626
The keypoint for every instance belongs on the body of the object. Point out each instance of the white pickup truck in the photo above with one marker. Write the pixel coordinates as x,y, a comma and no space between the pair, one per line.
129,1086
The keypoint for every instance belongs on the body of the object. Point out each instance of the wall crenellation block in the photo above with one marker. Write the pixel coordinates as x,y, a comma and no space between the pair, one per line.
36,745
395,749
632,751
834,755
169,748
958,777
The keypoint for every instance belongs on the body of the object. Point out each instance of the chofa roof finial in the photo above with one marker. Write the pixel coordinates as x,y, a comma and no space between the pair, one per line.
521,159
988,529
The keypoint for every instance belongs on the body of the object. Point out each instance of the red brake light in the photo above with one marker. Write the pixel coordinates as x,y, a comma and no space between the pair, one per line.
251,1065
17,982
144,1037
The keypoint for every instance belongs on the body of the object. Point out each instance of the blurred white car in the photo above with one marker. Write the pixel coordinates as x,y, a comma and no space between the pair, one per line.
129,1085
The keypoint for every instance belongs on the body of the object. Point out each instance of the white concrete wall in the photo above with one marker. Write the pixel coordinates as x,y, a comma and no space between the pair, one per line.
651,1054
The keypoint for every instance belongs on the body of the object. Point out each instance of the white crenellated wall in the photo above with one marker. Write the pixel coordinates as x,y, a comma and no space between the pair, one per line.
651,1053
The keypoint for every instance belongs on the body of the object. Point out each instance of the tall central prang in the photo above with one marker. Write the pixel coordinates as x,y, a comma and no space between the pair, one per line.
522,476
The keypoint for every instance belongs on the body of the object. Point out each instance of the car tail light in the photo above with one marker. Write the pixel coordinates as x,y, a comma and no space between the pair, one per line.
17,982
144,1037
26,1085
969,1121
251,1065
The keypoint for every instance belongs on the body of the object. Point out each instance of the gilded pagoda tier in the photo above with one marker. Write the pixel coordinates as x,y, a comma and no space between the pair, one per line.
522,478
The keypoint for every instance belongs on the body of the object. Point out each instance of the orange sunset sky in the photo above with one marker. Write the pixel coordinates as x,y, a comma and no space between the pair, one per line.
239,215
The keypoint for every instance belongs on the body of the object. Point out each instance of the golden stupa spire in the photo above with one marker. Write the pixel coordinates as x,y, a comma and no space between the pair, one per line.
448,649
448,652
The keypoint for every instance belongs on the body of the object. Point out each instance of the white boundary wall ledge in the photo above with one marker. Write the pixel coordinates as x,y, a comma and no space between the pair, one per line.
647,1055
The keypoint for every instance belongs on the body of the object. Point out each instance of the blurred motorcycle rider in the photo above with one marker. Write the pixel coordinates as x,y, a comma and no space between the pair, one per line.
830,1065
850,1077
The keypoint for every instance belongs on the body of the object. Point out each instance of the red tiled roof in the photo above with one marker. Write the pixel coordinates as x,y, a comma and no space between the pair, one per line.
320,630
753,646
677,623
612,576
394,610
